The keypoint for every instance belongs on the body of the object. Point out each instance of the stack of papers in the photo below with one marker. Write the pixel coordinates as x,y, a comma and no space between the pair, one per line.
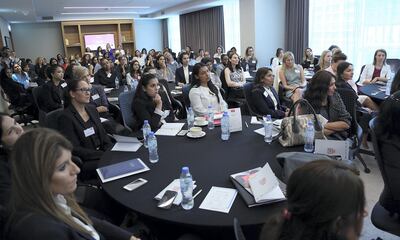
169,129
219,199
175,185
126,144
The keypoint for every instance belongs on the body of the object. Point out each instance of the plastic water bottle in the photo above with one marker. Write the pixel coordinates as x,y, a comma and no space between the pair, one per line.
146,130
389,84
268,129
190,117
225,134
116,83
186,182
210,118
309,137
153,150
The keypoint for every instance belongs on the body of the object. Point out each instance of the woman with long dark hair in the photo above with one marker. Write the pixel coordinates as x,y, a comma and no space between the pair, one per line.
203,92
321,94
133,77
234,77
325,201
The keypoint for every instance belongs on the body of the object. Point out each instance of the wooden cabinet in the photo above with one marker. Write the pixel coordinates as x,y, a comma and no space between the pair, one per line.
73,33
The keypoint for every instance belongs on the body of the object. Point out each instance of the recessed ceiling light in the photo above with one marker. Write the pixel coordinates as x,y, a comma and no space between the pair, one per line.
97,7
88,13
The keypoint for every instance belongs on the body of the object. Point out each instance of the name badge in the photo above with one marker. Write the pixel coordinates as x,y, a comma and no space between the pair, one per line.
190,73
297,71
89,132
63,85
109,75
95,97
254,61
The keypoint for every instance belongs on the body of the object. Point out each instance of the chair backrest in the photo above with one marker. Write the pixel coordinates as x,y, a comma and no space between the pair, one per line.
247,87
270,61
277,80
224,85
51,120
394,64
42,114
185,94
362,69
238,230
349,98
125,103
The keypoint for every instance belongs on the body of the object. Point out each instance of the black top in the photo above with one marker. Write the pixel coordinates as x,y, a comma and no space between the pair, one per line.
101,78
264,104
5,178
13,89
180,75
31,226
73,128
307,63
51,96
251,63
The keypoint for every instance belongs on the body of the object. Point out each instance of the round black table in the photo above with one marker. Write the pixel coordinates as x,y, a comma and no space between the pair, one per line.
211,161
375,91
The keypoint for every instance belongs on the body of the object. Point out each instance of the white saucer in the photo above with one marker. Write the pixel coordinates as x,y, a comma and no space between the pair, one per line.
201,124
202,134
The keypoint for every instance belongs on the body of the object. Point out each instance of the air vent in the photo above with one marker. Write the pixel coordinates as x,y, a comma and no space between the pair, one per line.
47,18
162,12
144,16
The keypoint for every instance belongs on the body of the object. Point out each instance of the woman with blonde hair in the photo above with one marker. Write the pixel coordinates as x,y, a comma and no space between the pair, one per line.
44,180
324,61
291,76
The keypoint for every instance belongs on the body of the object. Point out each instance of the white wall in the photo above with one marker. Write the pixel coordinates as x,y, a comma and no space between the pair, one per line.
269,29
37,39
4,30
247,24
148,34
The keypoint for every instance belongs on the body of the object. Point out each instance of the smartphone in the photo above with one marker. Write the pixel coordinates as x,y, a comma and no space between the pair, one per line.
182,133
167,199
135,184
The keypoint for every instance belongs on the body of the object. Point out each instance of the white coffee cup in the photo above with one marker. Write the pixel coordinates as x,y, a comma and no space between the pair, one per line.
195,131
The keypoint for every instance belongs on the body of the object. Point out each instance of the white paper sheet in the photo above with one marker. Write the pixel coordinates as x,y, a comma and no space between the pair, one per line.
169,129
255,121
333,148
261,131
235,120
120,138
112,99
265,186
219,199
103,119
175,185
126,144
108,90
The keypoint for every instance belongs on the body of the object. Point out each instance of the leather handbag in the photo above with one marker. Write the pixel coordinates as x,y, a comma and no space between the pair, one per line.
293,128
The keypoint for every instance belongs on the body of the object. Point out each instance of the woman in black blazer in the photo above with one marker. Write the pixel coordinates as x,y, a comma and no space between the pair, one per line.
42,204
80,123
264,98
151,104
52,93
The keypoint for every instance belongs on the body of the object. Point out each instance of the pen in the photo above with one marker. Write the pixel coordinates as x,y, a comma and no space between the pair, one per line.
197,193
247,125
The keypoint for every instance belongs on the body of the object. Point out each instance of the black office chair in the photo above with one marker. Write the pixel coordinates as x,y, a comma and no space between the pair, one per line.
232,102
349,98
270,61
380,217
285,101
185,93
3,220
238,230
359,77
394,64
247,94
51,120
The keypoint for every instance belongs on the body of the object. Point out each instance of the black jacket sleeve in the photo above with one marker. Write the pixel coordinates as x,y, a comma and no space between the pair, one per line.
262,106
144,110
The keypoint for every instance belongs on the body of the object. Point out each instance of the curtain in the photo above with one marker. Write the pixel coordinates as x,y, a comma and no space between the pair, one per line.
203,29
164,26
296,27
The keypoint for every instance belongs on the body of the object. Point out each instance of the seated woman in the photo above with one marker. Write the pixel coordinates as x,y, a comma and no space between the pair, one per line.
316,208
292,77
80,123
149,105
10,131
51,96
20,77
345,80
234,77
162,71
387,131
149,61
264,97
15,92
217,55
309,61
213,75
277,60
44,181
133,77
377,71
321,94
324,61
204,93
249,62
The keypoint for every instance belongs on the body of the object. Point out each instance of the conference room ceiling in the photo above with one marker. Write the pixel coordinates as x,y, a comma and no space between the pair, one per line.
58,10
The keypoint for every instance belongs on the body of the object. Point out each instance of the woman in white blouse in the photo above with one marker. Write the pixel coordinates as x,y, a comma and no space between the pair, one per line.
377,71
204,93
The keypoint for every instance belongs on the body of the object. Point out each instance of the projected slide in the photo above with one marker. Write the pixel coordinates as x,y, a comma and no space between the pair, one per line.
93,41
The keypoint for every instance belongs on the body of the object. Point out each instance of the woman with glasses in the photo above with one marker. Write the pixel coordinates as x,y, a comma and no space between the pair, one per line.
264,97
80,123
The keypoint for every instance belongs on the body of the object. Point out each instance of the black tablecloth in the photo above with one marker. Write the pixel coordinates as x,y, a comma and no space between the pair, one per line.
211,161
374,91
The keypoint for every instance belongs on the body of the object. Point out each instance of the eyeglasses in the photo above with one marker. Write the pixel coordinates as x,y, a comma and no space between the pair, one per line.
85,90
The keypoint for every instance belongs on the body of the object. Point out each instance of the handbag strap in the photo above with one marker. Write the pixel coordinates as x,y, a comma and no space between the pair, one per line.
295,128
